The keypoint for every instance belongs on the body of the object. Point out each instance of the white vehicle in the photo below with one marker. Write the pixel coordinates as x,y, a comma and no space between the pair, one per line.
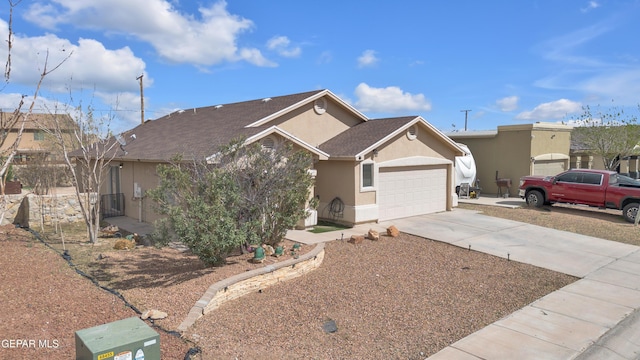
465,168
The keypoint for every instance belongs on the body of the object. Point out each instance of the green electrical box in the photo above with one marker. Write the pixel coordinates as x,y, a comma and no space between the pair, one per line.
127,339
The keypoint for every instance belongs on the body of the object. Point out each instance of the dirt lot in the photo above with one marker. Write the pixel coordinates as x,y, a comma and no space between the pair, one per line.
406,297
604,224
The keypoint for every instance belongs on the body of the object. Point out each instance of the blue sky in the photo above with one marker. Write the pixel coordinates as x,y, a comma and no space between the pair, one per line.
509,62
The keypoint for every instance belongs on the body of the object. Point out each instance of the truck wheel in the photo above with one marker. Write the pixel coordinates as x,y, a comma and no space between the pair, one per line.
535,198
630,211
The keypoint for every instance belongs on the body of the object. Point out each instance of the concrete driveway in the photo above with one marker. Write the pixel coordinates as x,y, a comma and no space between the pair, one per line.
596,317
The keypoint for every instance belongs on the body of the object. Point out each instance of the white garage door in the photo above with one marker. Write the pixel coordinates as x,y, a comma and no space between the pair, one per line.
548,167
411,191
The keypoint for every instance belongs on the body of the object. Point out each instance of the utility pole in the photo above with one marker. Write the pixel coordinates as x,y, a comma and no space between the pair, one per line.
466,113
141,99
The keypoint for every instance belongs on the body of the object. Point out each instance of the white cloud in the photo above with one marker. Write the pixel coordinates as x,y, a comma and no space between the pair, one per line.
622,86
82,65
551,111
590,6
508,103
564,49
281,44
325,57
368,58
204,40
389,100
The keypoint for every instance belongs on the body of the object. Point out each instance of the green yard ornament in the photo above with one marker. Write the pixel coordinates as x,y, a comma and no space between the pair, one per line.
258,255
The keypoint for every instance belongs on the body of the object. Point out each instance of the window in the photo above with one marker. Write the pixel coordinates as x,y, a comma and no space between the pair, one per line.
581,178
38,135
367,175
592,179
568,177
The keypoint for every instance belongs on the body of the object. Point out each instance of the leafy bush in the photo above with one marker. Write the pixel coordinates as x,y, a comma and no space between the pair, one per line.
243,195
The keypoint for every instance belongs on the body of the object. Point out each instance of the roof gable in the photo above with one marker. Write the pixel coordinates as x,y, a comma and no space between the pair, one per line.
312,97
364,137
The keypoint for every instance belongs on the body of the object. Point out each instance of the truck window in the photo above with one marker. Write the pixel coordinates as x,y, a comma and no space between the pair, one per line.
592,179
568,177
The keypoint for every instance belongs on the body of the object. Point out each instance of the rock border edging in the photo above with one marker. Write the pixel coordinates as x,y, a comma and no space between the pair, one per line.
254,280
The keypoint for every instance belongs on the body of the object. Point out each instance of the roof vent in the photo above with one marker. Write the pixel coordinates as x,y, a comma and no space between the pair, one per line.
218,106
412,132
266,100
268,143
320,106
180,111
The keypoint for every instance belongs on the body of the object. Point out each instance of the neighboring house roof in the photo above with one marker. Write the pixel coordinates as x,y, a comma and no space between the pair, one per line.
473,134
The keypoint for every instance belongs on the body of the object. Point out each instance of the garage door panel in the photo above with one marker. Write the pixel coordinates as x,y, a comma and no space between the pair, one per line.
548,167
404,192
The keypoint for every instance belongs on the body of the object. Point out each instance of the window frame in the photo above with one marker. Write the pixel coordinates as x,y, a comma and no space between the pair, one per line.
373,178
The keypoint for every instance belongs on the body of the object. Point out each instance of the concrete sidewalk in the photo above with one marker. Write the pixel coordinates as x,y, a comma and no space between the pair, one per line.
597,317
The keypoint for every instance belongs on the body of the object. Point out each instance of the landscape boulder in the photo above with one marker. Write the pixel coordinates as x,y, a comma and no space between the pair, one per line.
356,239
153,315
124,244
373,235
393,231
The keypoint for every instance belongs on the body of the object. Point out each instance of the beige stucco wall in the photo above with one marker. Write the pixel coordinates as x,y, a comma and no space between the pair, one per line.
145,175
342,178
425,144
315,128
509,151
335,179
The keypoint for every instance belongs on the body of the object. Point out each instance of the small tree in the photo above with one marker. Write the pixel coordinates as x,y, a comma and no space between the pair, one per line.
244,194
87,147
613,134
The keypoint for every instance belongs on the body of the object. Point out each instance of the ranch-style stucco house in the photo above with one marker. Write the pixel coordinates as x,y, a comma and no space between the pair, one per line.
367,170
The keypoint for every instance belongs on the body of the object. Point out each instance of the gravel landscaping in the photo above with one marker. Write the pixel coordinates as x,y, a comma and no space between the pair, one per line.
398,298
404,297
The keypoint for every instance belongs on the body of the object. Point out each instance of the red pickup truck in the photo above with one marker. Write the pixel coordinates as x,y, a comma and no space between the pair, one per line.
597,188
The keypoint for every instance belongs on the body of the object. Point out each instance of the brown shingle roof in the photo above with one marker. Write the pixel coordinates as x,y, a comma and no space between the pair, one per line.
358,138
199,132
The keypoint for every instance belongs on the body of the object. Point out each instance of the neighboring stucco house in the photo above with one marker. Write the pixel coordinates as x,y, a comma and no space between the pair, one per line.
366,170
584,158
513,151
34,142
